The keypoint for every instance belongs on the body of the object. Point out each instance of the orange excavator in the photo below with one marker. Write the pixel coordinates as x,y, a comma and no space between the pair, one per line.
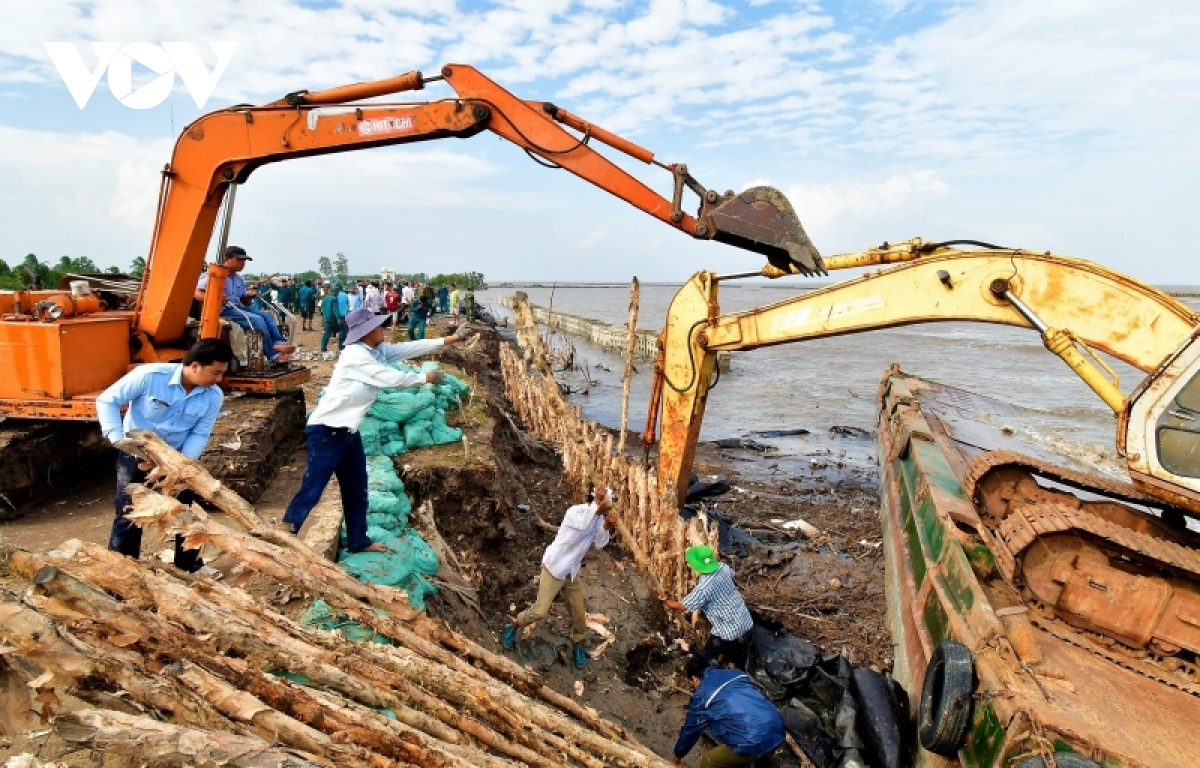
60,348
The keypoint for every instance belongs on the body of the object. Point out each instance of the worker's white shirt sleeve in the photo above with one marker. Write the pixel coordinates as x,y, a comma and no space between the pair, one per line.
404,350
582,529
358,376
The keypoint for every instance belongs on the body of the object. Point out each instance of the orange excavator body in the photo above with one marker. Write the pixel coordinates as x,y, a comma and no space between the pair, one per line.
60,350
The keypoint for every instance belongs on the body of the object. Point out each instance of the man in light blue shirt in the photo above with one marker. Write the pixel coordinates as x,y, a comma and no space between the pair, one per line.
355,297
179,402
584,527
249,318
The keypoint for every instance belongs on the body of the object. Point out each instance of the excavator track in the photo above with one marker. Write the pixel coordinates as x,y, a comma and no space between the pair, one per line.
1027,523
1078,638
987,462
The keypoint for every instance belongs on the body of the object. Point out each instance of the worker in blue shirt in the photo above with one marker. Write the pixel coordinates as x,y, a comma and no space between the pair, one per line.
745,725
179,402
276,347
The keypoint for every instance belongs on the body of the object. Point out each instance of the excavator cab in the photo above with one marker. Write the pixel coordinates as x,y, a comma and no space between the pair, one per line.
1161,438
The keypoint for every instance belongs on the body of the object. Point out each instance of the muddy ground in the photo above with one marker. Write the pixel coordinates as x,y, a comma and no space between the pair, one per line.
496,497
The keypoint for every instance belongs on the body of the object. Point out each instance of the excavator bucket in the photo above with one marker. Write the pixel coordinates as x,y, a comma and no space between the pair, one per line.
762,220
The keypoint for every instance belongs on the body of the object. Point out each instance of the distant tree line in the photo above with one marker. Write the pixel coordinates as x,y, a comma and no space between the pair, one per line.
22,274
468,279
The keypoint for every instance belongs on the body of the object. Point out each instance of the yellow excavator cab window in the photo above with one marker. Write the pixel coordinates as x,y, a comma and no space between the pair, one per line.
1178,432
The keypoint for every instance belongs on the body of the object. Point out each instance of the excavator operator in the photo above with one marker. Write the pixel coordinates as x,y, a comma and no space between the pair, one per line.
249,318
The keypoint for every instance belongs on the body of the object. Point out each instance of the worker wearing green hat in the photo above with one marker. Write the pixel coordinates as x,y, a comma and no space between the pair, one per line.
717,597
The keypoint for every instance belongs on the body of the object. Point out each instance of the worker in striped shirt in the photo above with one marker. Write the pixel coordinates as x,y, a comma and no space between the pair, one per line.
718,598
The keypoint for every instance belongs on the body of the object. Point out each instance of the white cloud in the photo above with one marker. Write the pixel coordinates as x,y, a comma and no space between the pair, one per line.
592,239
836,212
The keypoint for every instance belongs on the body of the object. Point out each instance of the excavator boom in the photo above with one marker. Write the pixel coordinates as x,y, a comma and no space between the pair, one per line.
226,146
1076,305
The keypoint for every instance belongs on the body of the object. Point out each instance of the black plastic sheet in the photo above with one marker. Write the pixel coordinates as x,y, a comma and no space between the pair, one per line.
840,716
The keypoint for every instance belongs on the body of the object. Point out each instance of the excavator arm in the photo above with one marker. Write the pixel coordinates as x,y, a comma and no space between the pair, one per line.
225,147
1077,306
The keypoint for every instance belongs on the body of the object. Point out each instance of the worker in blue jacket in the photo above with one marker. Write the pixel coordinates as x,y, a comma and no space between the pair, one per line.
745,725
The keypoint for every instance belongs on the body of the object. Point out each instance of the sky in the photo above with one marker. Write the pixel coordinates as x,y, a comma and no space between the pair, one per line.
1066,126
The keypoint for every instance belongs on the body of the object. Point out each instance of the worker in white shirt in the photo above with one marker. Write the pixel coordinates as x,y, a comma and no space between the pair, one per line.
334,445
584,527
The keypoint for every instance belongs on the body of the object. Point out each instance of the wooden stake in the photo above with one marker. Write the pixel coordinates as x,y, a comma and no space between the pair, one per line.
635,295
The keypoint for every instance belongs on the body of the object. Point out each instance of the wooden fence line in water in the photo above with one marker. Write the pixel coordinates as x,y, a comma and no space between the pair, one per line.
650,526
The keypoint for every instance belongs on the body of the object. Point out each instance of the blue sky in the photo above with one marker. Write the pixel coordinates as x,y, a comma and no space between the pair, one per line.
1065,126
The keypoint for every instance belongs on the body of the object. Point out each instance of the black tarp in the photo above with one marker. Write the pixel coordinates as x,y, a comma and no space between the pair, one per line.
841,716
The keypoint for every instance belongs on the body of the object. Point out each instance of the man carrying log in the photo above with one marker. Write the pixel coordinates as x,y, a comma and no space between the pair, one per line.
717,596
746,726
584,527
334,445
179,402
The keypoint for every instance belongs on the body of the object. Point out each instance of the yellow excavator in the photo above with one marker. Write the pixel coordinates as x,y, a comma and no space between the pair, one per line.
1042,611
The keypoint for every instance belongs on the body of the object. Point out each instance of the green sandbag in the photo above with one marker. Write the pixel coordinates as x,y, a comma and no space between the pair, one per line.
398,406
369,432
387,521
321,616
383,535
388,502
388,431
418,434
453,385
443,434
381,475
407,559
393,448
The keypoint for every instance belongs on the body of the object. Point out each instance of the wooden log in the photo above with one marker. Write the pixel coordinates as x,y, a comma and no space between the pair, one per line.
68,658
263,640
166,744
635,294
173,601
269,723
503,707
423,635
168,641
174,470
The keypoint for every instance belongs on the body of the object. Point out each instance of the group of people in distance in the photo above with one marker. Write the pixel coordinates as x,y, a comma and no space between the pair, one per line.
745,724
252,306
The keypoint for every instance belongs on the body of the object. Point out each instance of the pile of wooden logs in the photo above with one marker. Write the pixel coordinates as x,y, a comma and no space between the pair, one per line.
650,527
187,670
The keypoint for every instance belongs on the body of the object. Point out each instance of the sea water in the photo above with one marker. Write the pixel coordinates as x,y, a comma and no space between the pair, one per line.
823,383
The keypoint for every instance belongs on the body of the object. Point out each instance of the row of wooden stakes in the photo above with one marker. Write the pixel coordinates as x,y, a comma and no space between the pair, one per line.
182,670
650,527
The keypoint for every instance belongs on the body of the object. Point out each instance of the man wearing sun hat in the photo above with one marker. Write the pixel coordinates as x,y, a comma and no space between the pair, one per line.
716,595
334,445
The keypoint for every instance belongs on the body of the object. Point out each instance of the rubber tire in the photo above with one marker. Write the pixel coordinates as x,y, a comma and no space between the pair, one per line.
1063,759
946,699
234,367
